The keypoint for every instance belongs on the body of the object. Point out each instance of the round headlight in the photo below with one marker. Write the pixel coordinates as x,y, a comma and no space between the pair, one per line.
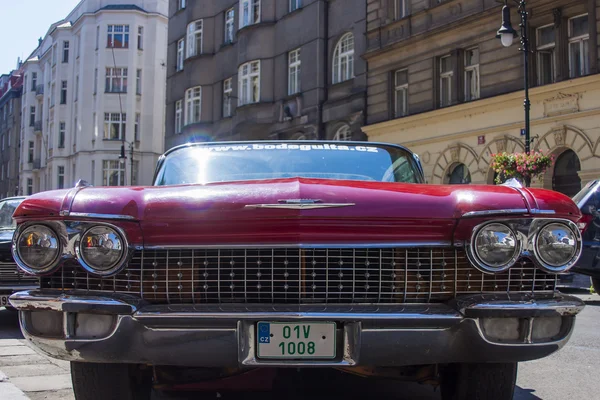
556,247
101,250
496,247
37,249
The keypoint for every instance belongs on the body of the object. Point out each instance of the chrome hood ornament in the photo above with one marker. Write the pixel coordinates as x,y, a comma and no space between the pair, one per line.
300,204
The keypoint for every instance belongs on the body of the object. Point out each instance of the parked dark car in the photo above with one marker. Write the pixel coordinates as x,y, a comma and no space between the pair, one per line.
588,201
12,279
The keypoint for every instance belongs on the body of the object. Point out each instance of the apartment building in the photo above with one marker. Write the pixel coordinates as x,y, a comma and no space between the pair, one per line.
265,69
11,86
442,83
95,84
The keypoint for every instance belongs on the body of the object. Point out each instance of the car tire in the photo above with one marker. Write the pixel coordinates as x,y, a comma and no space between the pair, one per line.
94,381
595,284
489,381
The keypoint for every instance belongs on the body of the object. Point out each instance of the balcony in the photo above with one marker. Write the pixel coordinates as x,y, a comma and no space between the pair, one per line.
37,164
39,90
37,127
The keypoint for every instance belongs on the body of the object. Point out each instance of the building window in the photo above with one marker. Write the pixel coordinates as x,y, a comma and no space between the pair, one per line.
180,4
118,36
343,59
116,80
52,92
579,60
63,92
459,174
61,177
33,81
401,93
95,80
61,135
30,152
113,173
194,38
76,87
249,12
249,83
446,74
31,115
400,9
227,94
178,116
193,105
343,133
136,128
138,82
471,74
180,54
114,126
295,5
29,186
546,43
229,24
294,72
65,54
93,172
97,37
140,37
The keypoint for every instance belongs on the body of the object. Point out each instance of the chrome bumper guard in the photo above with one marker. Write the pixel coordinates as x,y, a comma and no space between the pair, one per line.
224,335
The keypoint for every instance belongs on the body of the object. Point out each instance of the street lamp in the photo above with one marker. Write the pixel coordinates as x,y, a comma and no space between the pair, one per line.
123,157
506,34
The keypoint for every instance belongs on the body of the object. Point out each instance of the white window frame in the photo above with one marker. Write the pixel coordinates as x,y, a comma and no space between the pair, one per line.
65,51
116,80
445,76
63,92
475,76
229,25
295,5
250,12
193,36
402,89
193,105
33,81
294,64
249,83
138,81
180,4
140,38
115,118
113,166
400,9
578,39
178,116
29,186
227,95
62,134
343,57
180,53
546,48
112,32
343,133
60,175
136,127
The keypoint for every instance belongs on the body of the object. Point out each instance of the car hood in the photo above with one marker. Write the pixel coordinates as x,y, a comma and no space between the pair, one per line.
241,212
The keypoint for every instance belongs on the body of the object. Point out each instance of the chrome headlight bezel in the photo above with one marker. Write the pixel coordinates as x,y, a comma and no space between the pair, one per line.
16,252
476,259
539,259
118,265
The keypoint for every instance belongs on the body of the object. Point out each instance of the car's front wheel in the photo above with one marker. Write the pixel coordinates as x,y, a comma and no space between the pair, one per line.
490,381
596,284
93,381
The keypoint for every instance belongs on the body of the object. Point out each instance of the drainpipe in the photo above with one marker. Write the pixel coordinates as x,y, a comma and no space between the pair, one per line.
322,135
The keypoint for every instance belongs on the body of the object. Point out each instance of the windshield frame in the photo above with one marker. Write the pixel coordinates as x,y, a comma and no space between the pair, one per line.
7,200
419,174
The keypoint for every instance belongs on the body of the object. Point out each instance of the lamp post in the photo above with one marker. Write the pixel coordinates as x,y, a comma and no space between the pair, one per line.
123,157
506,34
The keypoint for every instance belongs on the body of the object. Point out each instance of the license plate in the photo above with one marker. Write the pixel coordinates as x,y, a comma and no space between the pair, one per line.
4,301
293,341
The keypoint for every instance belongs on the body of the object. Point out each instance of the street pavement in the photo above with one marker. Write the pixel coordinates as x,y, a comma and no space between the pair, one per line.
570,373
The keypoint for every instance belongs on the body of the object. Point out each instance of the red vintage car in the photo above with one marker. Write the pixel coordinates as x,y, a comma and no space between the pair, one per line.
246,256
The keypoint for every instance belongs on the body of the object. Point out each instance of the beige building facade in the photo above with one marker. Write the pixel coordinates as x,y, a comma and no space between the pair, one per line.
442,84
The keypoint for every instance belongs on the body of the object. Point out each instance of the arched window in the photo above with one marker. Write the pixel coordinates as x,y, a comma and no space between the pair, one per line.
566,179
343,59
459,174
343,133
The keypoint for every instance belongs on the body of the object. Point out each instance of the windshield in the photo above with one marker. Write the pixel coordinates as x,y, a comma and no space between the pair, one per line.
583,192
240,162
7,209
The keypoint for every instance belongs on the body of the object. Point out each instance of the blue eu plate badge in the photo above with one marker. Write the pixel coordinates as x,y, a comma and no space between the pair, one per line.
264,332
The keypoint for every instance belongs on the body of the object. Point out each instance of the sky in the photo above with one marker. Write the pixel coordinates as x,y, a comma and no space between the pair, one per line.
23,22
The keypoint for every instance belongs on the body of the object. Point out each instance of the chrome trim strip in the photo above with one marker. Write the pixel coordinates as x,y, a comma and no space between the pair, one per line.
101,216
300,206
32,300
302,246
487,213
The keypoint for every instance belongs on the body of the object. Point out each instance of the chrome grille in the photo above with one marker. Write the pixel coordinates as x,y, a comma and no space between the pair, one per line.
10,274
303,276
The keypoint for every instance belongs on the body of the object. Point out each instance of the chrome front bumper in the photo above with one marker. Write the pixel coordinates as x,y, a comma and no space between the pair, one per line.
224,336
